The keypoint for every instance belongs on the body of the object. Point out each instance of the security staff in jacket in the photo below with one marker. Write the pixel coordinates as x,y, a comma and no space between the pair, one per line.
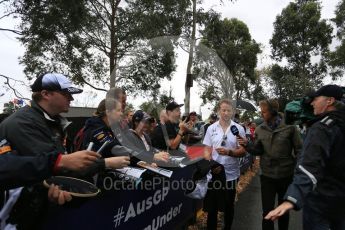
277,144
319,181
39,129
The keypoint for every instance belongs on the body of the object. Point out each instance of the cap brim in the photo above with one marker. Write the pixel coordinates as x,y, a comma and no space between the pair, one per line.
174,107
73,90
178,106
309,97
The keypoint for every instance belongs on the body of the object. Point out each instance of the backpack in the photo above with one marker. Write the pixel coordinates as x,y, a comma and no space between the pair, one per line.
78,140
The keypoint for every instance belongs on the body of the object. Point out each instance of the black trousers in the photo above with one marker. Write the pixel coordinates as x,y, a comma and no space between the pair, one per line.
270,188
230,193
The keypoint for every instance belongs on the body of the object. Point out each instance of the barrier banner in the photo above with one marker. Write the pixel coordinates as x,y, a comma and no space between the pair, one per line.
246,162
156,203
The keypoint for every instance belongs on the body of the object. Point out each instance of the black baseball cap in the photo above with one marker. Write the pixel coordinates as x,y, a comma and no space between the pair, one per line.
54,82
140,115
328,91
172,105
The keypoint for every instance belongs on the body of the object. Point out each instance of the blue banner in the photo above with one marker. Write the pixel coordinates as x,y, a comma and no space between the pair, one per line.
158,203
246,162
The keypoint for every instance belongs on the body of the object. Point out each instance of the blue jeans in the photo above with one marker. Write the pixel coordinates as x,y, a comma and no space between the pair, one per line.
313,220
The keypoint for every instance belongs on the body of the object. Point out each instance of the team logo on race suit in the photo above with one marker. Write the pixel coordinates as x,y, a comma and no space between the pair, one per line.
103,136
5,147
100,136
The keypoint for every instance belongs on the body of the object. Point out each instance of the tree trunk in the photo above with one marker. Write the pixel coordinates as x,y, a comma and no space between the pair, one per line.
113,43
190,62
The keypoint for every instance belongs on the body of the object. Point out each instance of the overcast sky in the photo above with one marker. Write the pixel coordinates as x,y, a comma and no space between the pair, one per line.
259,16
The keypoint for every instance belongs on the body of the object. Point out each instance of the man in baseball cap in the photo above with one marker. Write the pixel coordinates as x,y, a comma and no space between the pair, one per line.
319,180
323,99
172,105
171,133
38,130
334,91
54,82
53,92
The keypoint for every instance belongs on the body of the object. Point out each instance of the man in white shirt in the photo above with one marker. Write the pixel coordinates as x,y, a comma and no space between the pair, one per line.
225,153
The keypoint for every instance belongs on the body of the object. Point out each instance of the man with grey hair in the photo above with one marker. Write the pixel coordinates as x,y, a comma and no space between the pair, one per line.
319,181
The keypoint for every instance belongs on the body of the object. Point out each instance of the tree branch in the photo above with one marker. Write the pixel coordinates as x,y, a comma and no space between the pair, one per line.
6,15
102,6
94,87
187,51
97,41
2,1
16,93
13,31
100,15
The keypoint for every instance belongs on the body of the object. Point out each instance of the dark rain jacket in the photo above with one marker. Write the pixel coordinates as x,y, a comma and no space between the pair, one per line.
319,179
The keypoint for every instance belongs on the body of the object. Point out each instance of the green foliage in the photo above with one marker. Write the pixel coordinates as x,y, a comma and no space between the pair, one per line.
88,40
339,19
233,63
283,85
154,108
249,116
337,58
299,34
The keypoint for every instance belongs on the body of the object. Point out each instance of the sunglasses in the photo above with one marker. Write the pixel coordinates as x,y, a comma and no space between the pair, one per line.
225,137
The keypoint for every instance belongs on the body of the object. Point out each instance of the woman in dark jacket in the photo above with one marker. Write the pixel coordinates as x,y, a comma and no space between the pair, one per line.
97,130
140,124
105,127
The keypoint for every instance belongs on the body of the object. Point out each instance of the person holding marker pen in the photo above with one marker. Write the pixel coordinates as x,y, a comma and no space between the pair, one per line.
97,130
39,129
140,127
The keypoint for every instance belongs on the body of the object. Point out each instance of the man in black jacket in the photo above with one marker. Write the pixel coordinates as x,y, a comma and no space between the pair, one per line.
170,135
319,181
39,129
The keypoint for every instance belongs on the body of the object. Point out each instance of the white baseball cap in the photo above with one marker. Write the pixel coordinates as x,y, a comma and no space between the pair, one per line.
54,82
